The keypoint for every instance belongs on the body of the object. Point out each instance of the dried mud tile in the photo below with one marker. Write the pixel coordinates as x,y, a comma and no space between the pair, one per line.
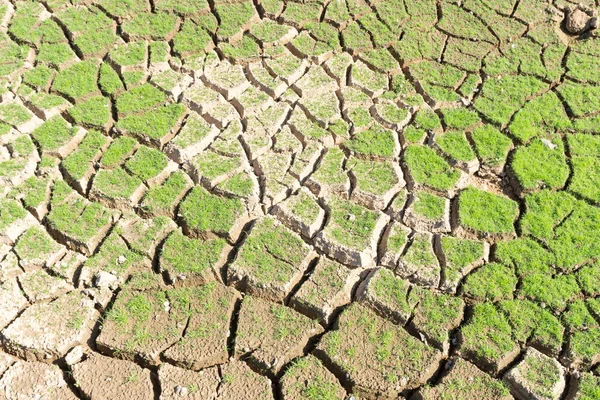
326,291
117,189
13,300
46,331
270,262
419,263
161,200
536,376
301,213
272,334
39,285
14,220
387,295
106,377
187,261
465,380
486,339
35,249
428,212
352,233
141,325
204,342
144,235
436,316
176,382
459,257
35,379
362,338
306,377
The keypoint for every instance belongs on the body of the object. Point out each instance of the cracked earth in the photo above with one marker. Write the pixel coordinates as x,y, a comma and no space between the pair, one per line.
312,199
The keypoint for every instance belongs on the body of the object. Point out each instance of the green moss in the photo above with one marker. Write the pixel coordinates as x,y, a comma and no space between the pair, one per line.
555,292
456,145
79,162
492,282
53,134
77,80
204,212
95,112
146,163
485,212
492,146
118,151
428,168
429,205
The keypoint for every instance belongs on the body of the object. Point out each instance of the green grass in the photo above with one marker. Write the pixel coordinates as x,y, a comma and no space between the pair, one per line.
456,145
185,255
39,77
233,16
525,255
95,112
79,162
129,54
588,278
537,165
116,183
492,282
487,335
162,198
109,80
555,292
77,80
272,253
533,324
203,212
355,233
428,168
140,99
485,212
491,145
459,253
544,211
429,205
53,134
146,163
148,25
376,177
118,151
191,39
392,291
459,118
154,124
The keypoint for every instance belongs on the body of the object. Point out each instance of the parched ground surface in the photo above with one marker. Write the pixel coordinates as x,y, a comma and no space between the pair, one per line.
316,199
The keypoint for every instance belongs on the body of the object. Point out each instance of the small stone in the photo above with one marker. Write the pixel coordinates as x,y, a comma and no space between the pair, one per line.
181,391
74,356
351,217
167,306
549,144
104,279
121,259
580,19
